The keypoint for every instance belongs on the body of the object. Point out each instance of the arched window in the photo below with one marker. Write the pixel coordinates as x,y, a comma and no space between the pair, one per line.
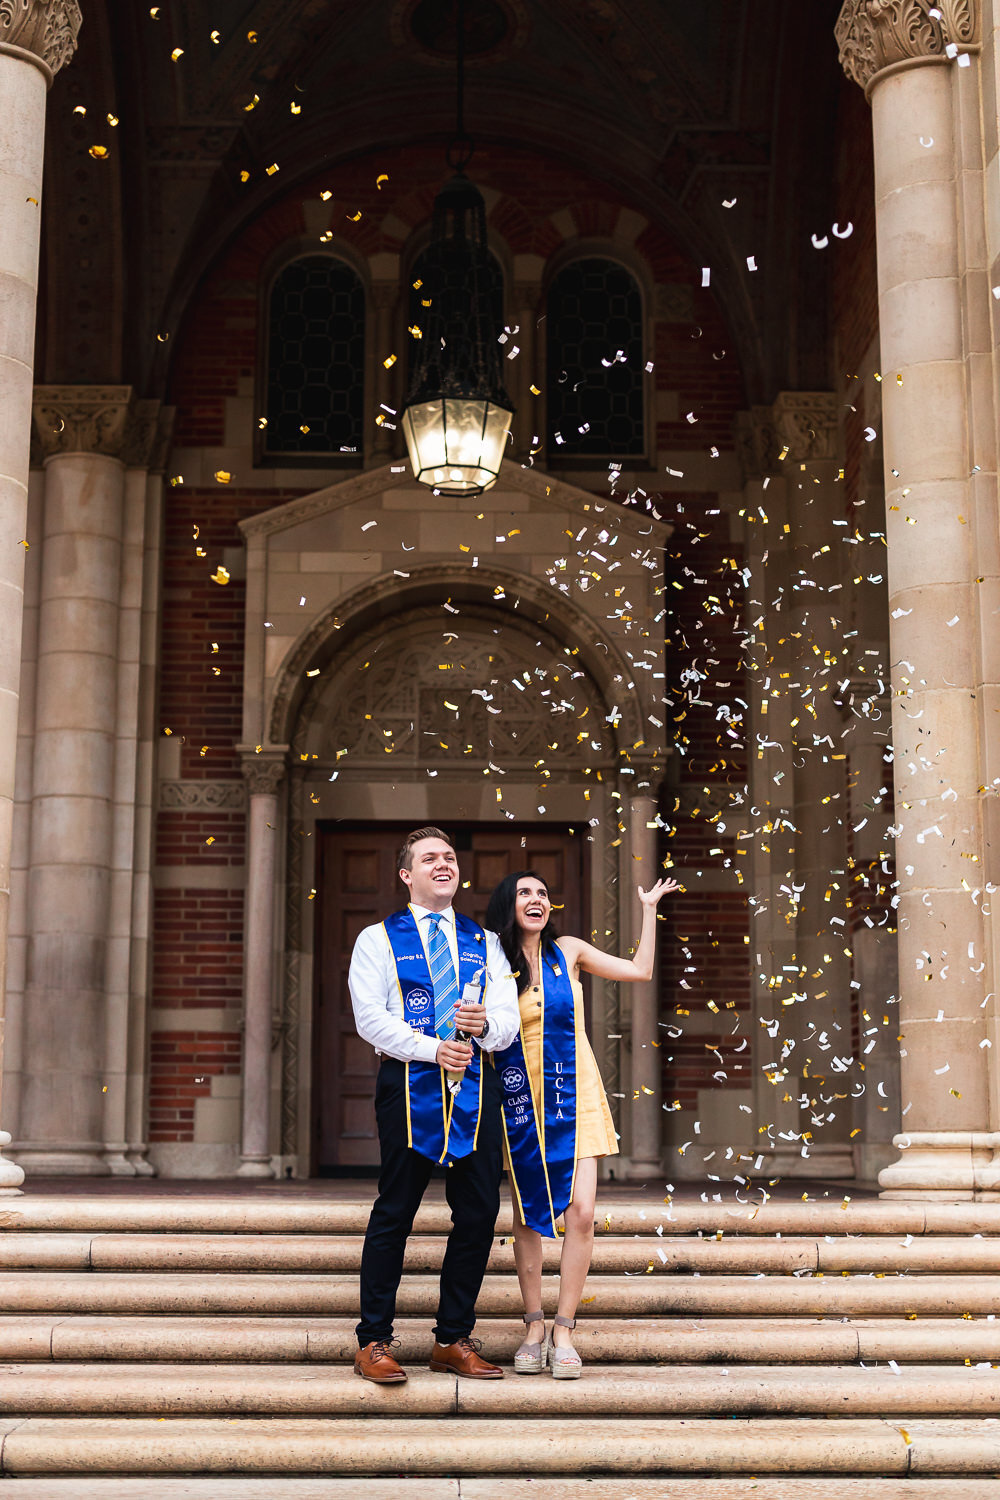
422,291
315,359
594,361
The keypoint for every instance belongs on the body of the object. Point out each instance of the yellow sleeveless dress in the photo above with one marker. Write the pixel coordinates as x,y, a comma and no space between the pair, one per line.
595,1128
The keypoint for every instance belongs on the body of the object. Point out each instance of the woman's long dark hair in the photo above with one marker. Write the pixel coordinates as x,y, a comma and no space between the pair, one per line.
501,918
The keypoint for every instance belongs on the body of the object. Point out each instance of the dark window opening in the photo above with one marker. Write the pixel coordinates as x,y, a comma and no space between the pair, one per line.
316,359
594,361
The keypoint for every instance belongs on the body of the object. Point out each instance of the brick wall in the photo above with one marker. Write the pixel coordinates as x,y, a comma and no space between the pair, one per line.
183,1066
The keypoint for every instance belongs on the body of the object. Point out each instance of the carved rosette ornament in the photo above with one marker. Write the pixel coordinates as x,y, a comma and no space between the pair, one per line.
46,28
873,35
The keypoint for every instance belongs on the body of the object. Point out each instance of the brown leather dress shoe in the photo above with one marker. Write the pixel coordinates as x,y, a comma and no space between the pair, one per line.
375,1362
462,1358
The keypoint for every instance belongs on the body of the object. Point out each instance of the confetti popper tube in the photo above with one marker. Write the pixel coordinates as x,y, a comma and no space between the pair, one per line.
472,994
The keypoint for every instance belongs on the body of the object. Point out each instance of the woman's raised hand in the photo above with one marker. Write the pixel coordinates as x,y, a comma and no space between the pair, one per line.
663,887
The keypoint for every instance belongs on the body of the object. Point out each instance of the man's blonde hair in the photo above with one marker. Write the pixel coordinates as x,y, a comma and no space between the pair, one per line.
405,860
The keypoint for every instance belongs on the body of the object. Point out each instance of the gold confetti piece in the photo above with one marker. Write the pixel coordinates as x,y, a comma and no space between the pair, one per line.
388,363
154,11
304,428
251,36
175,480
906,1437
112,120
223,476
326,195
23,543
204,750
313,672
253,104
81,109
200,552
295,108
210,839
956,1093
354,218
161,338
215,37
168,731
99,153
272,169
382,177
312,895
32,200
221,575
177,52
215,648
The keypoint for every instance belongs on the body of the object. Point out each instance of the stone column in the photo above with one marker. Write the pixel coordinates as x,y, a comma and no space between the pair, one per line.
81,430
523,371
645,1159
264,774
36,40
385,298
938,428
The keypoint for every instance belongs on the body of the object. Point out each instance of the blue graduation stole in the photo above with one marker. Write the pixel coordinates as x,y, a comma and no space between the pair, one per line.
440,1125
541,1131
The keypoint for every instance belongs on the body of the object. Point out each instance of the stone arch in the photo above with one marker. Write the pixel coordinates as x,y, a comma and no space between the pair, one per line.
504,694
374,603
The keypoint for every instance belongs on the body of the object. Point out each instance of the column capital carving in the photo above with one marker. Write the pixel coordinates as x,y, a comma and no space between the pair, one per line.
873,35
801,426
83,418
265,772
805,424
46,29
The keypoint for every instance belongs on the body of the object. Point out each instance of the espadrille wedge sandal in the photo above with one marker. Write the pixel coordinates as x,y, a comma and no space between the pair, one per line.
565,1364
530,1358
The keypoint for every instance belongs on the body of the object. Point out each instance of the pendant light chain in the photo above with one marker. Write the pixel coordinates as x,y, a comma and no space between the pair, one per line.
460,152
457,416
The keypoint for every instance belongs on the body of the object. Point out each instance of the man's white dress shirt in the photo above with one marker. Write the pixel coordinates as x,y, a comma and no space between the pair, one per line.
375,992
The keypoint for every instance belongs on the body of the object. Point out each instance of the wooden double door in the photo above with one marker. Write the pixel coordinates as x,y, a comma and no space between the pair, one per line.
357,884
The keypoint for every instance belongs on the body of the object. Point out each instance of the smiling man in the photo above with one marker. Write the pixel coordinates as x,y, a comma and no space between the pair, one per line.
434,995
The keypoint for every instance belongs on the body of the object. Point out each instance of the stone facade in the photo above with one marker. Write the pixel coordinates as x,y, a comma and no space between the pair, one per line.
776,594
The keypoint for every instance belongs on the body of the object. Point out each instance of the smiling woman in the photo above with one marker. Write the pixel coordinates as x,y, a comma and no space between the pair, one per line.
556,1116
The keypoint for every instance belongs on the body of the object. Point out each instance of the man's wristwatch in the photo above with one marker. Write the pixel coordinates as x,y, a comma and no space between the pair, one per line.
486,1029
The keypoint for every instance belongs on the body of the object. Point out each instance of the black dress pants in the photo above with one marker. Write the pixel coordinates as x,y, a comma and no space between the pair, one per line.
472,1188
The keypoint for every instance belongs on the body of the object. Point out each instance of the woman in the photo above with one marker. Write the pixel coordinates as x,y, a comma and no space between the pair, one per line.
556,1116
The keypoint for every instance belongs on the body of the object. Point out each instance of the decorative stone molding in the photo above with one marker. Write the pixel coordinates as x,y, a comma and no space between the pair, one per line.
192,796
142,437
873,35
83,418
264,773
46,28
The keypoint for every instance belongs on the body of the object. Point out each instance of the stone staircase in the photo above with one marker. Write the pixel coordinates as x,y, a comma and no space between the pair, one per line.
201,1346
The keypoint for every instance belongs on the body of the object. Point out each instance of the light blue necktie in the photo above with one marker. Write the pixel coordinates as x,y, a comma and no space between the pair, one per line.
443,975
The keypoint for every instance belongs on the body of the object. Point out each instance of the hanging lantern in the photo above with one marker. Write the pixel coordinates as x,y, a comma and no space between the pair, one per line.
457,415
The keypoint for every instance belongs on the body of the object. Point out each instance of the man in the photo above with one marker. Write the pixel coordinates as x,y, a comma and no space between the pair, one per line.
418,980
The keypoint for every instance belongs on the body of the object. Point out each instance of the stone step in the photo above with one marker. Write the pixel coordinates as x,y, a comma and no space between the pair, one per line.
273,1210
925,1340
564,1487
483,1446
612,1253
605,1296
603,1390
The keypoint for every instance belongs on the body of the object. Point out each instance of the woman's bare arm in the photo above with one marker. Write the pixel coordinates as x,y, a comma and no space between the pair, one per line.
581,955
